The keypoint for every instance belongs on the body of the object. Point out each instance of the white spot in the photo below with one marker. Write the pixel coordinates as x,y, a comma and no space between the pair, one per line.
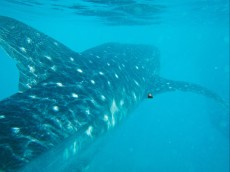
32,69
116,75
74,147
137,67
101,73
92,81
71,59
89,131
109,83
59,84
54,68
15,130
90,61
136,83
2,116
23,49
123,65
108,64
48,57
28,40
168,83
33,96
58,122
87,112
170,87
106,118
121,102
113,110
93,101
55,43
70,126
28,85
56,108
103,97
134,96
79,70
74,95
98,57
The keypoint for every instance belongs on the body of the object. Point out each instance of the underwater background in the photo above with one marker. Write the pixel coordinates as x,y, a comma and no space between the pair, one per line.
174,132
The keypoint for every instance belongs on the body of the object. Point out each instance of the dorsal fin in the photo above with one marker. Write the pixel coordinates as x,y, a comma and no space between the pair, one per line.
37,55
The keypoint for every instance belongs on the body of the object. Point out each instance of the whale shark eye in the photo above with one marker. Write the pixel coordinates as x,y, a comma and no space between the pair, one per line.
150,96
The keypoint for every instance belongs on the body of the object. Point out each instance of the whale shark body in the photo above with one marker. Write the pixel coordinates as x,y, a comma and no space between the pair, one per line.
67,99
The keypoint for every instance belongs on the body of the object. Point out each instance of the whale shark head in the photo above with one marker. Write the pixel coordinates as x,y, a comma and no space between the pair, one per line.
69,98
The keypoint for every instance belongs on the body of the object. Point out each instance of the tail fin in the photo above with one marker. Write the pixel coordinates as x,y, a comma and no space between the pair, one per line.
162,85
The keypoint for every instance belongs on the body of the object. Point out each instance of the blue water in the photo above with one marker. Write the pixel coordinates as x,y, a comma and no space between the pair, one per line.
173,132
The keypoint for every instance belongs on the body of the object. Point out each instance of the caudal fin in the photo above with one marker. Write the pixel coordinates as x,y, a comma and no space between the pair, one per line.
162,85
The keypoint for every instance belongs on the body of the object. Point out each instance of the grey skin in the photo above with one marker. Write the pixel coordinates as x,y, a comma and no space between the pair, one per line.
66,100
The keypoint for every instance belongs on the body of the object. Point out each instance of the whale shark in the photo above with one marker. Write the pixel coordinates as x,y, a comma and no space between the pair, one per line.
67,100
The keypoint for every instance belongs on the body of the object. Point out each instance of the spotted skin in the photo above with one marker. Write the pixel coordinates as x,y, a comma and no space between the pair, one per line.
70,97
